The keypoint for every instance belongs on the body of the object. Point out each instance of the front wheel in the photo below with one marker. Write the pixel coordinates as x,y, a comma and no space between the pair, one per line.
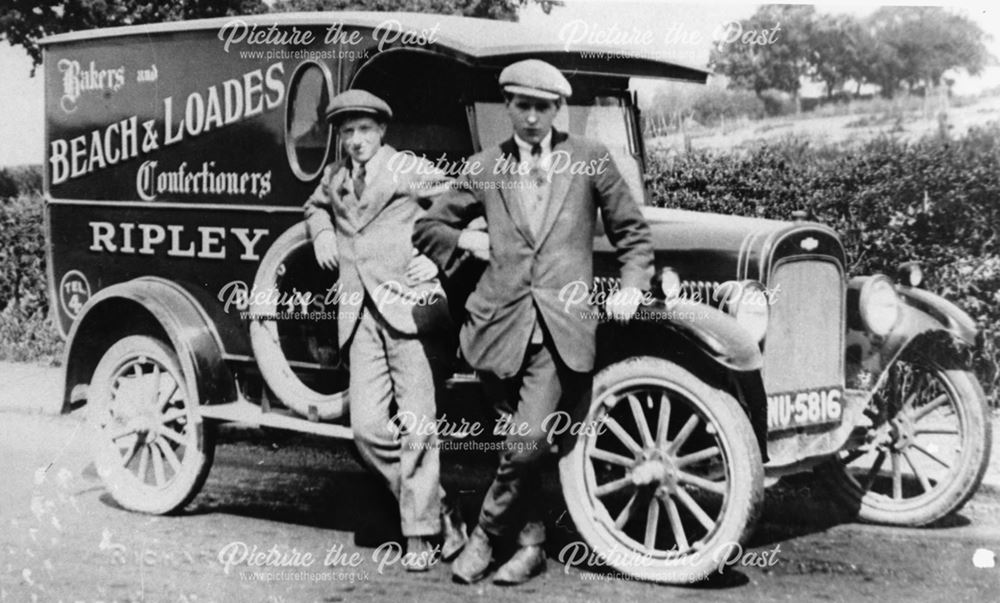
671,478
152,449
927,449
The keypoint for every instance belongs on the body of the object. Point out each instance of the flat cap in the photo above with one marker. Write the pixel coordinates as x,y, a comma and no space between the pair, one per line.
357,101
536,78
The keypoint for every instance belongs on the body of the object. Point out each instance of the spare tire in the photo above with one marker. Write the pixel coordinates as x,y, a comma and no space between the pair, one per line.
288,262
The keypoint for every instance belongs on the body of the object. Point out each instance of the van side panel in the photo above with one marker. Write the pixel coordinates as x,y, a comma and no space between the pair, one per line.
165,156
213,254
170,117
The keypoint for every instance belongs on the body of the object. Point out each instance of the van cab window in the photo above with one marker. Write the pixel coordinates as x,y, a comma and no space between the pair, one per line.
604,119
307,133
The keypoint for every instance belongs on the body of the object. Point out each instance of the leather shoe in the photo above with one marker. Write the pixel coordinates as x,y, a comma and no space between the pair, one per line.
420,554
454,531
471,566
526,563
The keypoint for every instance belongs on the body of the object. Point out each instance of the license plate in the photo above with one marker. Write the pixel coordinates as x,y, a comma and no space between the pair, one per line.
792,410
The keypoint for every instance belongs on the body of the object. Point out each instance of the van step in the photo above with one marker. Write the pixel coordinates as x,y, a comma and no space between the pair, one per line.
242,411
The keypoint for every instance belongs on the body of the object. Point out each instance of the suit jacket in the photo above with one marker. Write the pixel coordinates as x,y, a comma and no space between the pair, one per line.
527,274
373,241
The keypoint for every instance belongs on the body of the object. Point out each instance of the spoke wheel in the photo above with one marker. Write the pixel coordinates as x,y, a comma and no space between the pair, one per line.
669,477
152,449
927,449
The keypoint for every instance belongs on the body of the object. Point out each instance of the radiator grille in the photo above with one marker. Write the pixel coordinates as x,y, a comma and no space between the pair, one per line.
804,347
604,286
701,292
693,291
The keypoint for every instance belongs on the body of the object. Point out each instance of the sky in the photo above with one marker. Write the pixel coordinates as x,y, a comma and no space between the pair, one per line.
682,30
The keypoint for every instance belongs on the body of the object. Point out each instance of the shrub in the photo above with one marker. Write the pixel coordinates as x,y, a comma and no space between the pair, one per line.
28,337
8,188
974,284
777,103
934,200
706,105
20,180
714,106
25,332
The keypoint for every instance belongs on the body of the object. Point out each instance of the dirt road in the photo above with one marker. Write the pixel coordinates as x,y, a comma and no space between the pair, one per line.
63,539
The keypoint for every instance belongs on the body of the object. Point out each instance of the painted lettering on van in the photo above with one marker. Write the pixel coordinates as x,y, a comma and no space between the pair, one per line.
238,99
88,152
77,80
175,240
151,181
219,105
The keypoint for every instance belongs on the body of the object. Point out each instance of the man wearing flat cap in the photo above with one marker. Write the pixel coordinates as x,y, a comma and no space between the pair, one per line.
533,344
392,314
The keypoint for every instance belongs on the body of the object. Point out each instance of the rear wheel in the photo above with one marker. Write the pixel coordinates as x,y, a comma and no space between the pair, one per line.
669,480
927,449
152,449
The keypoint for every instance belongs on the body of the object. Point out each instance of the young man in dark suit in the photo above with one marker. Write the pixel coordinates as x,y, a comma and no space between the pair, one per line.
392,313
529,341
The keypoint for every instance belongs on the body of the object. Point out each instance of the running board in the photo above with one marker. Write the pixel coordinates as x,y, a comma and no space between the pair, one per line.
242,411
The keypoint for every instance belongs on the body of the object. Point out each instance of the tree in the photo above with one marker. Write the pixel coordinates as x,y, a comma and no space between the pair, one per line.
917,45
771,51
24,22
836,43
505,10
895,46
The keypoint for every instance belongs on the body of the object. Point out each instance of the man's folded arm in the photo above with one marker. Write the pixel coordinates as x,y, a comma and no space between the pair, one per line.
424,181
436,233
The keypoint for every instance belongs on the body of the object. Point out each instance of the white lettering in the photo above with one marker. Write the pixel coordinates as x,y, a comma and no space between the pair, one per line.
175,243
101,234
152,234
212,236
242,234
253,93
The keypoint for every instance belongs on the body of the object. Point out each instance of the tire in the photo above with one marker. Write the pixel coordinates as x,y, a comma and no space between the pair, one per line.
922,407
616,490
266,342
152,449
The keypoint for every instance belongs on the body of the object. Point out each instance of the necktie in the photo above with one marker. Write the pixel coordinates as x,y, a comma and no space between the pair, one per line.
537,175
359,181
537,211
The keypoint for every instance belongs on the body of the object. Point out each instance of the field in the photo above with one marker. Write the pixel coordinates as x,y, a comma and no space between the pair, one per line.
907,120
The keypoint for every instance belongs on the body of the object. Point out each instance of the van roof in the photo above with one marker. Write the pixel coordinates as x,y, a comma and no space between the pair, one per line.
475,38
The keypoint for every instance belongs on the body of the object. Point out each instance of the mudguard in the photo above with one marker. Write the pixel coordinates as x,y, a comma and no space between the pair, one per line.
953,319
921,313
712,330
151,306
705,340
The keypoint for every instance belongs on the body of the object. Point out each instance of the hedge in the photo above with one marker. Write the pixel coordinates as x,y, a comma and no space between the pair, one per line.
935,200
25,332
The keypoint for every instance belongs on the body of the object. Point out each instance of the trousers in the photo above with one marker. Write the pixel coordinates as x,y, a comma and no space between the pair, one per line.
392,393
527,402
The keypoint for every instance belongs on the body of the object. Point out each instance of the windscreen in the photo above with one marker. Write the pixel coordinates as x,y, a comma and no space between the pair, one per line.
606,120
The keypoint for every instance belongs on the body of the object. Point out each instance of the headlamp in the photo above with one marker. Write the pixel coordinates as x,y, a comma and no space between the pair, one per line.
879,305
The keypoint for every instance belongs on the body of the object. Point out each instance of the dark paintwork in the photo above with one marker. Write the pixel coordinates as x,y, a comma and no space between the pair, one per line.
190,332
717,248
